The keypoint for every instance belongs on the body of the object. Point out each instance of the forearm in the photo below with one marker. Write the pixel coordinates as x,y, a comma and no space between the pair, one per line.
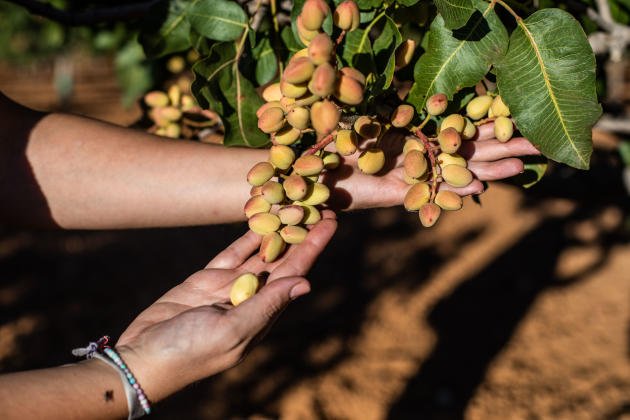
89,389
94,175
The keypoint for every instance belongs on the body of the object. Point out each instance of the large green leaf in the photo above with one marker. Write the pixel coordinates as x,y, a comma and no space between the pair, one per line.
455,12
220,85
458,58
218,19
167,30
547,78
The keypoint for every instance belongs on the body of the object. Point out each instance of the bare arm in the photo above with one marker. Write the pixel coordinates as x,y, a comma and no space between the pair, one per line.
66,171
74,172
190,333
89,389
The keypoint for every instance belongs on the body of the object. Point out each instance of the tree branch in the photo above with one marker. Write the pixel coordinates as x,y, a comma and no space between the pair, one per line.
87,17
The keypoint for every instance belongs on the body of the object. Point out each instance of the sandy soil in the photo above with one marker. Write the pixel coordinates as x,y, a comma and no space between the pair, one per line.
518,308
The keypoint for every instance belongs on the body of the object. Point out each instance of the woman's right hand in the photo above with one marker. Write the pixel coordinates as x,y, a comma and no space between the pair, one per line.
488,159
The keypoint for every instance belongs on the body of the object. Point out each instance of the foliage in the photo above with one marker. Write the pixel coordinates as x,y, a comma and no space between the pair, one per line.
27,39
542,61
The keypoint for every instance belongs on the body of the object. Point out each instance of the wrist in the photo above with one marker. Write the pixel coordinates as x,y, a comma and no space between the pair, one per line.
157,377
107,383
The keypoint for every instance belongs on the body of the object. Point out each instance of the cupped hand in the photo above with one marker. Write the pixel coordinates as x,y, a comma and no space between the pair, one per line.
488,159
193,331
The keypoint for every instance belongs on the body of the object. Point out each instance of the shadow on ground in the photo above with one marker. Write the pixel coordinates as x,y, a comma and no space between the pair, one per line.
477,320
80,285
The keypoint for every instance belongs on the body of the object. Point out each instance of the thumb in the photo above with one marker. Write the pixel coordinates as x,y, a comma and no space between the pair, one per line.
259,311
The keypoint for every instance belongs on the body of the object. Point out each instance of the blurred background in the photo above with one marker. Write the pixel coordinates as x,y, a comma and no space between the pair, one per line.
516,307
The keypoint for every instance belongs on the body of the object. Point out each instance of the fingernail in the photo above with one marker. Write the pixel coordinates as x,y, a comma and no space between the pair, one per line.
299,290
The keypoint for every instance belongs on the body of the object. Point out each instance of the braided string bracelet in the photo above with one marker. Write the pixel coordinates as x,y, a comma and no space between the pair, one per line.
137,402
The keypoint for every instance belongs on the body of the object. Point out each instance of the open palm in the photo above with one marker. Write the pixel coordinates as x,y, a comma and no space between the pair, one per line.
193,332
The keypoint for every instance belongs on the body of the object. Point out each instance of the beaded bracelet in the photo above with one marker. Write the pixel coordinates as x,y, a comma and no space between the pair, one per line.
144,401
134,392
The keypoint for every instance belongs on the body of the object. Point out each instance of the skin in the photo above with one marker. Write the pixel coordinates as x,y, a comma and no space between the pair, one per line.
488,160
190,333
65,171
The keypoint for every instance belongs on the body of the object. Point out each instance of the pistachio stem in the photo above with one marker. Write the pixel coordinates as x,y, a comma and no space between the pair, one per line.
425,122
321,144
427,145
484,121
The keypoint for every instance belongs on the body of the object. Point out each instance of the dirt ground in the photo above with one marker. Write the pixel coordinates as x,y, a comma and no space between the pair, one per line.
515,309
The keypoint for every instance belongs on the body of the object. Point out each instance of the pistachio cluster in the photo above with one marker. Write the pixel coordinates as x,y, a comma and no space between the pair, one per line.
166,110
310,98
494,108
431,160
317,98
428,161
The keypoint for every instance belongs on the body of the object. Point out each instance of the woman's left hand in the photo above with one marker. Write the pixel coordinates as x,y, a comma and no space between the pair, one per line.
193,332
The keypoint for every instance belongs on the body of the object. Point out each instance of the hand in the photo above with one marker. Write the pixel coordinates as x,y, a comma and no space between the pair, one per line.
488,159
193,332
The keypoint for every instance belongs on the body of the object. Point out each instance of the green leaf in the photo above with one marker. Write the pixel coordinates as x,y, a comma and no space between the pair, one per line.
455,12
460,100
459,58
357,48
357,51
547,78
166,29
266,61
220,85
292,44
624,151
384,52
534,168
407,2
367,16
369,4
218,19
133,72
200,43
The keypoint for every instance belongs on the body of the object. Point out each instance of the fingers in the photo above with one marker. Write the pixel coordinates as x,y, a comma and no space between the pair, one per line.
487,171
475,187
235,254
492,171
491,150
329,214
299,258
485,131
259,311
